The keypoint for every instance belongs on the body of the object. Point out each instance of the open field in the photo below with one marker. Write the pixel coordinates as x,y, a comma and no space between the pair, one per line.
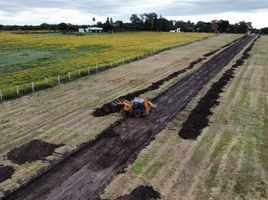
41,58
86,173
62,115
227,161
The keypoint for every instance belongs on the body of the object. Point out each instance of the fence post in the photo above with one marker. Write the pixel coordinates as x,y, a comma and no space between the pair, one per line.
96,68
79,72
88,70
17,88
58,79
46,80
32,86
69,75
1,95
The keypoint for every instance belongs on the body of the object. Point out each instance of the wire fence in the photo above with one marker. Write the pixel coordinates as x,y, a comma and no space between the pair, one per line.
34,86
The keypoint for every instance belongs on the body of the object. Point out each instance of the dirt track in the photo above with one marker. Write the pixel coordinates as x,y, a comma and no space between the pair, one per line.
85,174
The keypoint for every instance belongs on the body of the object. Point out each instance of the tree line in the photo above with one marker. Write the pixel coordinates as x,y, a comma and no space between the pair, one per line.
147,22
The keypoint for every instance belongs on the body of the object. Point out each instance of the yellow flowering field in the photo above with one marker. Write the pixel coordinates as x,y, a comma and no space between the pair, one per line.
41,58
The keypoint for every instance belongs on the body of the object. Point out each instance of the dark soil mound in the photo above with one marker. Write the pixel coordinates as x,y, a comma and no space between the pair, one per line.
141,193
5,172
32,151
199,117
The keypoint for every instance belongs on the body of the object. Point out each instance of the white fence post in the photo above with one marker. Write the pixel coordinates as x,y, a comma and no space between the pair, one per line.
58,79
46,80
1,95
69,75
17,88
32,86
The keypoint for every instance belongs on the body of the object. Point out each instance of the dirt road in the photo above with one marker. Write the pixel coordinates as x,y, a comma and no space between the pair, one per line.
84,175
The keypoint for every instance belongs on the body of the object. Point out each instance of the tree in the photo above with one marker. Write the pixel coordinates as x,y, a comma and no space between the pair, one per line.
62,26
151,20
99,24
45,26
224,26
135,19
264,30
107,25
185,26
93,20
241,27
203,26
111,21
163,24
119,24
136,23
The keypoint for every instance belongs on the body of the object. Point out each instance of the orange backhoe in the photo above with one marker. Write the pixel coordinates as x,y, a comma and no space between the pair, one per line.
138,107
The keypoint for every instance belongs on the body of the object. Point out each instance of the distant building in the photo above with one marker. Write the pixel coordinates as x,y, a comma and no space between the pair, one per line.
178,30
90,30
81,30
214,27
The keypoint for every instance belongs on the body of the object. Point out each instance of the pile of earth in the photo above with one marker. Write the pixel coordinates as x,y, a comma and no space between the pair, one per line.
5,172
31,151
141,193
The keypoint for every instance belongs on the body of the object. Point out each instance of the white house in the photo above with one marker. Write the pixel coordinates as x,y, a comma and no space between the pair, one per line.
94,29
90,30
81,30
178,30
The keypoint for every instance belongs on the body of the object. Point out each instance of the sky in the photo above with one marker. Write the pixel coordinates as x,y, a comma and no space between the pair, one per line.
22,12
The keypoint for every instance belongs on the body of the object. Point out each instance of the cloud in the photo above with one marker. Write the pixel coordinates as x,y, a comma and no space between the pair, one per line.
258,17
168,7
82,11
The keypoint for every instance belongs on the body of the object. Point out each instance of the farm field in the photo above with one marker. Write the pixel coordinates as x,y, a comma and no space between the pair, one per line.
42,57
227,161
84,174
62,115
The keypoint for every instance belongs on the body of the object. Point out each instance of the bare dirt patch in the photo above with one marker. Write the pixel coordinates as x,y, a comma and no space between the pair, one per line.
199,117
32,151
141,193
5,172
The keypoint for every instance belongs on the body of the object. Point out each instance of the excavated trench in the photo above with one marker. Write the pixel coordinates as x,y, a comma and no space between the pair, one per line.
141,193
85,174
199,116
107,108
5,172
31,151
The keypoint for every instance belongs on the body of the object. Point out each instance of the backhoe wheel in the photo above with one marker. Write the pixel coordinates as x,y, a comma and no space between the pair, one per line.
137,113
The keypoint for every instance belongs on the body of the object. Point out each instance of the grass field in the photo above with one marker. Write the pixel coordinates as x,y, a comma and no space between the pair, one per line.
228,160
62,115
25,58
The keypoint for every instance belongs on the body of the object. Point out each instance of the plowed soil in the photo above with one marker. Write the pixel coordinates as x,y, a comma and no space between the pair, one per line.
108,108
85,174
32,151
199,117
5,172
141,193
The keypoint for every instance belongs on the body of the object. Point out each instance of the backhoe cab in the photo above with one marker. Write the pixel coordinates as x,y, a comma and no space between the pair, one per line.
138,107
